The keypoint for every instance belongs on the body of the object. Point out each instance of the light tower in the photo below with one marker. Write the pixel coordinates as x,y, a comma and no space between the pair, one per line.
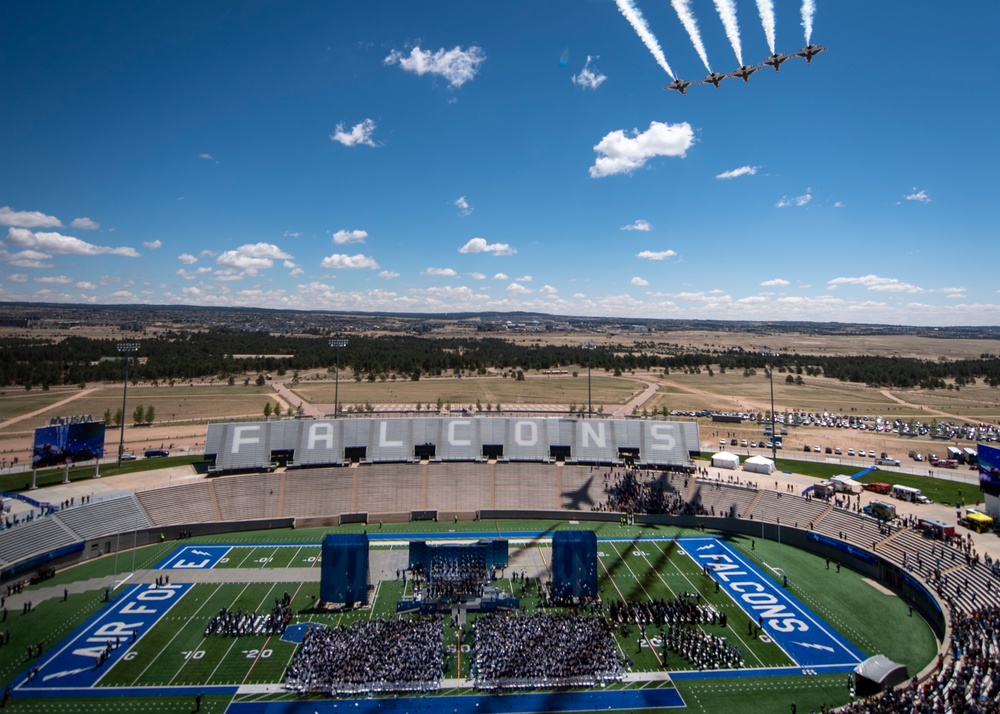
337,342
127,349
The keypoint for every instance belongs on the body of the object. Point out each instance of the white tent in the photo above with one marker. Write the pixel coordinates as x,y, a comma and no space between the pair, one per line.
725,460
848,485
758,464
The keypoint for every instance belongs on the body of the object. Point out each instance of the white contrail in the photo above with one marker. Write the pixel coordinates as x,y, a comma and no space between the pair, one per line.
808,10
638,23
766,10
727,13
691,25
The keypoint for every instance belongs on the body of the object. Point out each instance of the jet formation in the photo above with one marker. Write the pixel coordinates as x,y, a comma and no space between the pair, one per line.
744,72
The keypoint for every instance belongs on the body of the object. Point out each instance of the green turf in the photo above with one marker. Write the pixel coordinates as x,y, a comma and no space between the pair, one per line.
176,650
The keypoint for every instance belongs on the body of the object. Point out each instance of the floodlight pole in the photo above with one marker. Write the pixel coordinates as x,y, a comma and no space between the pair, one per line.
337,342
126,348
589,346
770,373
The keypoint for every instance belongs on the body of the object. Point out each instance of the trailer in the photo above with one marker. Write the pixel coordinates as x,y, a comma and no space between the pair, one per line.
935,529
956,454
971,456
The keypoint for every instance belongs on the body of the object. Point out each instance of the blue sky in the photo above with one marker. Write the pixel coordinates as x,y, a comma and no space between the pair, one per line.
521,155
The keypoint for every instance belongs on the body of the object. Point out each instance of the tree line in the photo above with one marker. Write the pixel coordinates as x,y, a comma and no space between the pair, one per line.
182,356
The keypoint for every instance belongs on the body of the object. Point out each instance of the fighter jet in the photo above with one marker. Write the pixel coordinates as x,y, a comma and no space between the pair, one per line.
775,60
714,78
744,72
810,51
680,85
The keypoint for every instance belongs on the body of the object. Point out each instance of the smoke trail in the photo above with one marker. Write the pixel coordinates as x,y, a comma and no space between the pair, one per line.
727,13
691,25
638,23
766,10
808,10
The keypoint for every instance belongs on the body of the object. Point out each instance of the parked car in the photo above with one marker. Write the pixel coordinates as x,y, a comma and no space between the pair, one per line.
850,452
838,451
871,453
156,453
128,457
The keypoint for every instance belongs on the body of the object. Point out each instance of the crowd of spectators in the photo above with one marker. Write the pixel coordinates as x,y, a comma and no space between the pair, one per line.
399,655
636,491
457,573
969,684
543,650
703,650
237,623
683,610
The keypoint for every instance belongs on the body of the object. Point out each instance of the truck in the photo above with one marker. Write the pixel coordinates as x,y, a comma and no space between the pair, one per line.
886,461
881,510
956,454
908,493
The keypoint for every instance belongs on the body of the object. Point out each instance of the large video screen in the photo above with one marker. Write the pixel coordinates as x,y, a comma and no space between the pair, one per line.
67,443
989,469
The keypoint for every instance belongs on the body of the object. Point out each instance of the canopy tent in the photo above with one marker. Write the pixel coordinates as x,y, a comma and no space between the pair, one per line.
878,674
758,464
848,484
725,460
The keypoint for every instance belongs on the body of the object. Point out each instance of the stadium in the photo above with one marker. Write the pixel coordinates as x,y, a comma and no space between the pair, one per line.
682,587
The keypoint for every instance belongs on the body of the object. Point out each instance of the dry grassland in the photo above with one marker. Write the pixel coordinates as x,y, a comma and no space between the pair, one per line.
535,389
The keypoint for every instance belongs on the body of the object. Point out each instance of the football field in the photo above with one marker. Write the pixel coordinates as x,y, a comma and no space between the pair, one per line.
152,638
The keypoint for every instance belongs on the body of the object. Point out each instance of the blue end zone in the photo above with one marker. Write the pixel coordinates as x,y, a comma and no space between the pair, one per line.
74,664
194,557
808,640
596,700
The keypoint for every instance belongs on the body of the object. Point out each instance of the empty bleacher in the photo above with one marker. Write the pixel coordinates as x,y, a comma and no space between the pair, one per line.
248,497
188,503
106,516
41,535
318,492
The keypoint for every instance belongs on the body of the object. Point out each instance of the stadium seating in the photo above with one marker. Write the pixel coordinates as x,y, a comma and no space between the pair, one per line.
95,519
188,503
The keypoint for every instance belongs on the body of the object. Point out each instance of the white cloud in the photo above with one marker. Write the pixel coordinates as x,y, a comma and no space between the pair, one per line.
359,134
456,65
85,224
17,278
589,78
736,173
877,284
206,156
464,209
54,279
290,234
479,245
250,258
388,275
27,259
921,196
776,282
518,289
524,279
349,262
187,259
192,274
547,290
838,204
60,244
639,282
655,254
85,285
342,236
27,219
639,225
152,244
623,154
795,200
440,272
500,276
477,276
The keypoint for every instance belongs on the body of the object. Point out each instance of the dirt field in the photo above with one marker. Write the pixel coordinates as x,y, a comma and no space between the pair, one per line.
183,411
